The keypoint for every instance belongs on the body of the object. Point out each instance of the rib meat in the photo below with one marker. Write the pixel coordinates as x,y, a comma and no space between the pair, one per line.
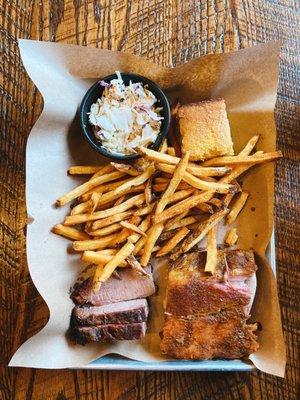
207,315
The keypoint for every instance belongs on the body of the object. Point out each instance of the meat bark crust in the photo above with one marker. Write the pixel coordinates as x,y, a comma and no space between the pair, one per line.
108,333
206,315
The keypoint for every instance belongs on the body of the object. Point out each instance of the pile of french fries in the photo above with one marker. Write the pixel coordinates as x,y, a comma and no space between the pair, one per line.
161,205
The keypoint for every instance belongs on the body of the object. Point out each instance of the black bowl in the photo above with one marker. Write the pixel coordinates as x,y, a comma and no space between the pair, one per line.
95,92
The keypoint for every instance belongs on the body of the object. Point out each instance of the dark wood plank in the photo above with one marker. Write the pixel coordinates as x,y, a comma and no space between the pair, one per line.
169,32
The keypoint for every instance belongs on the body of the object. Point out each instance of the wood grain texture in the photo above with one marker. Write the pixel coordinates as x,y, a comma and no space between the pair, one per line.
168,32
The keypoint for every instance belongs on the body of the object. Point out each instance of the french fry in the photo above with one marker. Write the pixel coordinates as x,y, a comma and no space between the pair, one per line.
84,169
174,224
107,230
205,208
171,151
120,200
193,168
102,189
196,182
211,250
237,207
238,170
249,146
144,225
101,275
139,245
183,206
148,191
231,237
106,169
254,159
70,233
157,229
79,190
180,235
179,173
227,199
104,199
111,220
94,201
93,244
134,264
216,202
134,201
161,187
125,233
132,227
136,181
152,236
94,257
127,169
201,231
164,146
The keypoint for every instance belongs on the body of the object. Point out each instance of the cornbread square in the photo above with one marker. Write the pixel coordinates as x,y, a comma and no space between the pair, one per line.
204,130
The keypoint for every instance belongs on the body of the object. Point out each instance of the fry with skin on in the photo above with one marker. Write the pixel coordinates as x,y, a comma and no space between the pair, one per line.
227,199
107,230
169,246
102,274
139,245
127,169
106,169
170,225
81,189
102,189
132,227
69,233
134,201
136,181
84,169
201,231
111,220
211,250
125,233
196,182
94,201
249,146
237,207
94,257
254,159
231,237
94,244
183,206
216,202
134,264
120,200
157,229
205,208
161,187
193,168
148,191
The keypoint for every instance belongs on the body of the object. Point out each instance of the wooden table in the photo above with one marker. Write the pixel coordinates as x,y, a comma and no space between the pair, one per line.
169,32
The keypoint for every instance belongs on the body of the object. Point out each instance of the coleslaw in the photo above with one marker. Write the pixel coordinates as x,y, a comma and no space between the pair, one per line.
125,117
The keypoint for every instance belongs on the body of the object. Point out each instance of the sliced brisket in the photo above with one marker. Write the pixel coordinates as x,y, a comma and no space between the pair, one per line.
131,286
108,333
125,312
